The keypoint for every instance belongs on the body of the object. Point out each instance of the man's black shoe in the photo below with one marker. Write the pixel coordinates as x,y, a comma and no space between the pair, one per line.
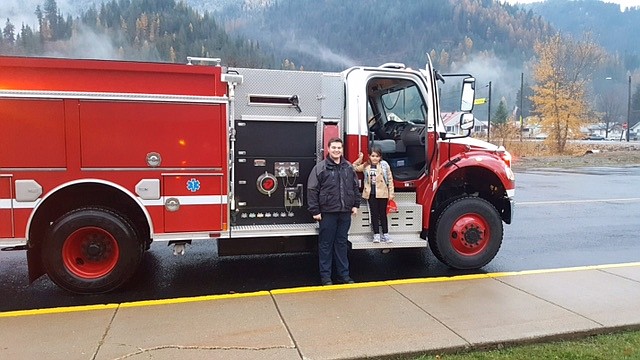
325,282
346,280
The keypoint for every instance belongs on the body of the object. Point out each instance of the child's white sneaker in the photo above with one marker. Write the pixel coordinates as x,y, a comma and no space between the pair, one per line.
376,238
386,238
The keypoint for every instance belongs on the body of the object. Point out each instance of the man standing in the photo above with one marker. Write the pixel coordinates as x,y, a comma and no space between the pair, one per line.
333,195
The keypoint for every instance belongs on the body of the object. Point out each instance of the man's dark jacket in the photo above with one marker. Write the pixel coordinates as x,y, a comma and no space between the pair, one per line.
332,187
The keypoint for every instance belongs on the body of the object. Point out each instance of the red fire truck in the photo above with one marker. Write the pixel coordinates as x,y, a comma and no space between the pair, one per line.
99,159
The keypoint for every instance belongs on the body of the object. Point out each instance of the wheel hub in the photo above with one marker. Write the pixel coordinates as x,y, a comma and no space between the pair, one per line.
472,235
96,248
90,252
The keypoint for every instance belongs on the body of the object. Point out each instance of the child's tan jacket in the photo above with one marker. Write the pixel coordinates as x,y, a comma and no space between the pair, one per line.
383,189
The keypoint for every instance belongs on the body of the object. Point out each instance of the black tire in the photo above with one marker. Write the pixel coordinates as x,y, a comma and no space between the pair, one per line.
467,234
91,250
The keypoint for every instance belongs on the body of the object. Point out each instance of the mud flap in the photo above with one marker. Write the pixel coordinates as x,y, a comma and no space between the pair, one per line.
34,263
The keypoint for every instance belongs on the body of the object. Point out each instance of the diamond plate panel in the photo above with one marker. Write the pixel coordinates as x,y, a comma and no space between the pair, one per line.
405,197
315,91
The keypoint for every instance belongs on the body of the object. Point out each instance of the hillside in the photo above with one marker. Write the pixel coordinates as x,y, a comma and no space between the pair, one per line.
332,34
610,27
152,30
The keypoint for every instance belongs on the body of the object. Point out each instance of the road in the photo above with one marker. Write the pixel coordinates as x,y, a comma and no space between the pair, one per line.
576,217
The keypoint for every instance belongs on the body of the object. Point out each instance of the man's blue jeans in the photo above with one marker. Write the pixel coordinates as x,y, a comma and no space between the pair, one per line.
332,244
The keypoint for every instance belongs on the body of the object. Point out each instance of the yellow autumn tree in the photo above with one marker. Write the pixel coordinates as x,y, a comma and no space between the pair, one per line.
561,75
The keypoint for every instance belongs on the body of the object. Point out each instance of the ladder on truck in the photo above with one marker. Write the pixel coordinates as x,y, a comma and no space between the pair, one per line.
404,226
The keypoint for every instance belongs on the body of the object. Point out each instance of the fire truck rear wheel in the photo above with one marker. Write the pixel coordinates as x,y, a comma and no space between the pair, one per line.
91,250
468,233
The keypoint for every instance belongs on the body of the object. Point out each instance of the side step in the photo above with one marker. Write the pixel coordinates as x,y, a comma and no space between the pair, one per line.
404,226
399,241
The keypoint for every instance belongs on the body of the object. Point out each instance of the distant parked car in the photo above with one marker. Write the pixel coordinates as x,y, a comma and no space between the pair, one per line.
595,137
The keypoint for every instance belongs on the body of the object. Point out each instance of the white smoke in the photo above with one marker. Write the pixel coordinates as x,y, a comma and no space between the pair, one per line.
23,11
505,80
85,44
313,48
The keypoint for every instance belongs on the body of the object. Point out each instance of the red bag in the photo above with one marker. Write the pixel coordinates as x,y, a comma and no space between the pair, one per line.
392,207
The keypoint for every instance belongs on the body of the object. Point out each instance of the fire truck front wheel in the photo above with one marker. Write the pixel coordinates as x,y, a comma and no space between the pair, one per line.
91,250
468,233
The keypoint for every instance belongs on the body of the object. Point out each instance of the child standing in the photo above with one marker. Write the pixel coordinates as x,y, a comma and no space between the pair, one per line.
378,190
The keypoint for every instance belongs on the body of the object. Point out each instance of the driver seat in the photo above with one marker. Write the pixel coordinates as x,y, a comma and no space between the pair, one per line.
388,146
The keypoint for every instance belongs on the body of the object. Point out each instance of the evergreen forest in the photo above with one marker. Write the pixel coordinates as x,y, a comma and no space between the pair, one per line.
151,30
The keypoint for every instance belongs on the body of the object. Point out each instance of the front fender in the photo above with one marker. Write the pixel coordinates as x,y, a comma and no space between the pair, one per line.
482,160
479,174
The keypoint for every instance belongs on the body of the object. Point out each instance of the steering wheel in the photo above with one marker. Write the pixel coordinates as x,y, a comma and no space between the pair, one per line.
375,126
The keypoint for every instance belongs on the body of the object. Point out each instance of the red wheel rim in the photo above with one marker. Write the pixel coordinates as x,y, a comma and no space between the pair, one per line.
90,252
470,234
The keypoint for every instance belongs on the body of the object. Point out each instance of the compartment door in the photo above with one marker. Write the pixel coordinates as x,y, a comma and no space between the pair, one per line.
194,202
272,164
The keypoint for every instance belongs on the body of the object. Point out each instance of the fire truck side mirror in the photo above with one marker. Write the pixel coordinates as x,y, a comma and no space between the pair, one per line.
467,121
468,94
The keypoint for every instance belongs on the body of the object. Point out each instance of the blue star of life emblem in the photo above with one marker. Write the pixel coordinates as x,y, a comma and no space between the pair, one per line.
193,185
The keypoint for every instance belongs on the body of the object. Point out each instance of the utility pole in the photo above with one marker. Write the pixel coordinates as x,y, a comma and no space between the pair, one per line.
629,109
489,116
521,96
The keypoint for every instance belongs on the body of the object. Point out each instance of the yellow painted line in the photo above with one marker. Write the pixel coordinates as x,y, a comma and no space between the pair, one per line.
304,289
436,279
69,309
58,310
192,299
326,287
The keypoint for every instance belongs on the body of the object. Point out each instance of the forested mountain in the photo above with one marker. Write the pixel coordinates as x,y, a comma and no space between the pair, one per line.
316,34
611,28
156,30
332,34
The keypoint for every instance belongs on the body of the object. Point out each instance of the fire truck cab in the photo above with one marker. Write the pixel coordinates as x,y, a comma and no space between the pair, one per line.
101,158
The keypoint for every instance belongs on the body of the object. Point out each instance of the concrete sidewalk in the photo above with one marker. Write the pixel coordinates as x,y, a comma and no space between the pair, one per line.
364,320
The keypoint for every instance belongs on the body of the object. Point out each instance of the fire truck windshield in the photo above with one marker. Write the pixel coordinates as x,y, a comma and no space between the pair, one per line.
404,105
